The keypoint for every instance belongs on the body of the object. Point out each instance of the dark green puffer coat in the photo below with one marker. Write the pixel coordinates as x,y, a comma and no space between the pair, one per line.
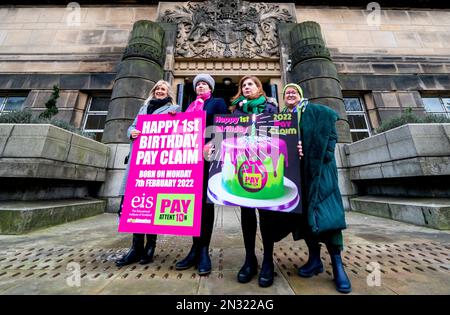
321,197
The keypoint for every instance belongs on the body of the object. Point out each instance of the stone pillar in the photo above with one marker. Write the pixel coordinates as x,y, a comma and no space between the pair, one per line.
313,69
141,67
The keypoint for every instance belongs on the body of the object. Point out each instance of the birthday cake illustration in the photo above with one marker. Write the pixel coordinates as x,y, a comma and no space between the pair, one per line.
253,166
252,174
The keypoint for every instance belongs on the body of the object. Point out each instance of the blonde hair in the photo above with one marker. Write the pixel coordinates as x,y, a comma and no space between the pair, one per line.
158,84
257,83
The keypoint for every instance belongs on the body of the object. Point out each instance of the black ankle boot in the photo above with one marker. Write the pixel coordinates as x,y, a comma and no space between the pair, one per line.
266,274
248,270
149,250
204,262
135,253
341,279
190,260
314,265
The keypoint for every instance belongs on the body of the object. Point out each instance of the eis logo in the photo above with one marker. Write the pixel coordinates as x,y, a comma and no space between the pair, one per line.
142,202
175,209
139,203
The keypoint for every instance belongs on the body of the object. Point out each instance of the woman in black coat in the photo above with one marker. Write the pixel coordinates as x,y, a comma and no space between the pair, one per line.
199,253
251,99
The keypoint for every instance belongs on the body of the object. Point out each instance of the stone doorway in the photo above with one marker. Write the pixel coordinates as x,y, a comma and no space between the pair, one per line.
226,88
227,40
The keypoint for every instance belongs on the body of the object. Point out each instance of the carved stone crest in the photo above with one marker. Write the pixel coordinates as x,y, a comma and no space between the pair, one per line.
230,29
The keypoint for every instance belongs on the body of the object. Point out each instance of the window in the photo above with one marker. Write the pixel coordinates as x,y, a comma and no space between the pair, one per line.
95,118
359,126
11,103
437,105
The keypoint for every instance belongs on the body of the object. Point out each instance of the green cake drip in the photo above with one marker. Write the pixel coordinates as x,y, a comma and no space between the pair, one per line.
273,188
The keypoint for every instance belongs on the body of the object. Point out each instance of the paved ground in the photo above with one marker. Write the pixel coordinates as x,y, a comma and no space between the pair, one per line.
381,257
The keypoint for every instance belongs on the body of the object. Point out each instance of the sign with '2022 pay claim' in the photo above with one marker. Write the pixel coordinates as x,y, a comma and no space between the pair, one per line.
164,187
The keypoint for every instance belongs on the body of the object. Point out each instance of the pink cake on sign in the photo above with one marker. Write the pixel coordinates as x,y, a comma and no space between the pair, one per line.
253,166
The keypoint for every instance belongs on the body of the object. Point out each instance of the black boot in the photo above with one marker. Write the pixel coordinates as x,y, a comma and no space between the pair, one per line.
341,279
314,265
266,274
135,253
204,261
149,250
248,270
190,260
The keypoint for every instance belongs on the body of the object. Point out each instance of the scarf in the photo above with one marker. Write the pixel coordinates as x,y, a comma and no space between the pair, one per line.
156,103
199,102
255,106
286,110
300,109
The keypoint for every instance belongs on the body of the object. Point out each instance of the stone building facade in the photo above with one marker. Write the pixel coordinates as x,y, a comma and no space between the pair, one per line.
368,63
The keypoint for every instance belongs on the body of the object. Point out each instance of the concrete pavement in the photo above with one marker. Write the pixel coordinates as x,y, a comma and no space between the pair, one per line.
381,257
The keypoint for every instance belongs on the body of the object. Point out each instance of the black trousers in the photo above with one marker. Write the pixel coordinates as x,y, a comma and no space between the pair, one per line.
207,224
249,225
138,239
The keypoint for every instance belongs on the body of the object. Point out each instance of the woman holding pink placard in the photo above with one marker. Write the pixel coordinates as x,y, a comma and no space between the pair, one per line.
160,101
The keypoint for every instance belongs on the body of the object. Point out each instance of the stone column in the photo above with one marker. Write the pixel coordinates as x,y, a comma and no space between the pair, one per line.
313,69
141,67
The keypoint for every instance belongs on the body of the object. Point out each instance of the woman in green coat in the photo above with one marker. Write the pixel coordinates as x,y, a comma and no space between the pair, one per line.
323,216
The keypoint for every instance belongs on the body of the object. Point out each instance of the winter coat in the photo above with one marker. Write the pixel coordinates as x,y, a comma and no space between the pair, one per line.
214,106
321,197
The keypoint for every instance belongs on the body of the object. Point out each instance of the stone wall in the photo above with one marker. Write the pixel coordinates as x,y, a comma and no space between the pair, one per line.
41,162
408,32
403,174
387,64
29,34
96,44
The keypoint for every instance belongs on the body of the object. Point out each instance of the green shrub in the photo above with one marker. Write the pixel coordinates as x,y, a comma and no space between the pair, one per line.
51,110
408,117
16,117
25,117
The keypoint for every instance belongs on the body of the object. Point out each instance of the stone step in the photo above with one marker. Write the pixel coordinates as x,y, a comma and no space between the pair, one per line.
429,212
19,217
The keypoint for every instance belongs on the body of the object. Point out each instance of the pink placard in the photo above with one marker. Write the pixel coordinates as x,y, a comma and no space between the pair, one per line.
165,181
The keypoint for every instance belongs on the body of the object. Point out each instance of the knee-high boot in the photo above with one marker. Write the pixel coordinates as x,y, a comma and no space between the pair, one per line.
191,259
266,274
149,249
135,253
341,279
249,225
